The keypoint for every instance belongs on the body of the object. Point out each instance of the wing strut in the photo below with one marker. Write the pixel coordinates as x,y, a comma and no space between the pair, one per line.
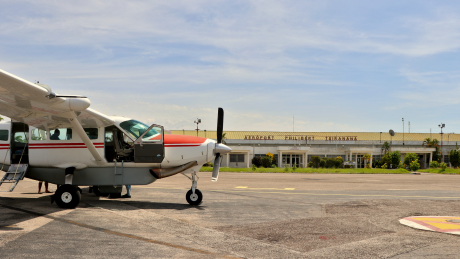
81,132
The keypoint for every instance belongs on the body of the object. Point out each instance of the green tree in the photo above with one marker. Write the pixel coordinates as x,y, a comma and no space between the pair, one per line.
414,165
322,163
409,158
386,147
257,161
366,158
433,143
395,158
266,162
224,138
386,160
316,161
338,161
454,157
330,162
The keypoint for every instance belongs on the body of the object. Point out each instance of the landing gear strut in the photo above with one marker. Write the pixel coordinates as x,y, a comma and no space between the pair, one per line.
194,196
67,196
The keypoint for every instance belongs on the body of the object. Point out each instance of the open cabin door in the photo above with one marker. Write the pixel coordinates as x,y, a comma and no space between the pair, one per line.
150,146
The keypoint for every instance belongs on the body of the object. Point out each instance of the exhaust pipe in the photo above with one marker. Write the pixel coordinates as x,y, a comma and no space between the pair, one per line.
167,172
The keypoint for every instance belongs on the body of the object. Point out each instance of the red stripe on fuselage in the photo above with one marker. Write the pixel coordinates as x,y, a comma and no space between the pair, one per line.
183,140
61,144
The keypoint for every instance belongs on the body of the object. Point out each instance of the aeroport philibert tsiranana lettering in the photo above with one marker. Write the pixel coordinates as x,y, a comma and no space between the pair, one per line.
301,137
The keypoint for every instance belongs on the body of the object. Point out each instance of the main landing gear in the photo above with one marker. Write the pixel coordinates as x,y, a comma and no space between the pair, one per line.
67,196
194,196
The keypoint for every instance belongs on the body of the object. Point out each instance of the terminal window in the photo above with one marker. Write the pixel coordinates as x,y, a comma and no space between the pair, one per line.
235,158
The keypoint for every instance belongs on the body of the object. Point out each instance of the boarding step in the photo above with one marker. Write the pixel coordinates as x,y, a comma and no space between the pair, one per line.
15,173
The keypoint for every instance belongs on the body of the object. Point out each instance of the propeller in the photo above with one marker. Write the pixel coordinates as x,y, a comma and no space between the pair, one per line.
217,150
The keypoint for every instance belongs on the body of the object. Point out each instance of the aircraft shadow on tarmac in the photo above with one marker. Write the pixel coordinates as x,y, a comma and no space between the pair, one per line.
17,210
89,199
22,209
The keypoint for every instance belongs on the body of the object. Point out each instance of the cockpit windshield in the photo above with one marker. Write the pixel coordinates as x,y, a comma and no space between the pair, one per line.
136,128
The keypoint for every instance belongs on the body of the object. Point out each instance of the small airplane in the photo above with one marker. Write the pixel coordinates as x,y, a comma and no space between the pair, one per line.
59,139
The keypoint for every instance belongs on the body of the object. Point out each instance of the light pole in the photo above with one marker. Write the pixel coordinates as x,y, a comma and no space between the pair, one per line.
403,130
198,121
442,125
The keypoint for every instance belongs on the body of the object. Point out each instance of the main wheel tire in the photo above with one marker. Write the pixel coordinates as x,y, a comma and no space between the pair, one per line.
67,196
194,199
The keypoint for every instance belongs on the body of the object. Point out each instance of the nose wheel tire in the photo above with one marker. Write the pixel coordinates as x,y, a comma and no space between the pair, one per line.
67,196
194,199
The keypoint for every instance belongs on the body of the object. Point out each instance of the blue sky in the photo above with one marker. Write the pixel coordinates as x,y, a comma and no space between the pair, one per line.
334,65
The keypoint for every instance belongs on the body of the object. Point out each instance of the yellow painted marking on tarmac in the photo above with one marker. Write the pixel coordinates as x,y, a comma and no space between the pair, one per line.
246,187
444,226
314,194
145,187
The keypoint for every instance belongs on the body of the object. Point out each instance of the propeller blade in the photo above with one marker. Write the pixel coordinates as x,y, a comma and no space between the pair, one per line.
215,170
220,124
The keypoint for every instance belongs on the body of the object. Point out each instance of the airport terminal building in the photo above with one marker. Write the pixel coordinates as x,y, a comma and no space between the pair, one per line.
298,147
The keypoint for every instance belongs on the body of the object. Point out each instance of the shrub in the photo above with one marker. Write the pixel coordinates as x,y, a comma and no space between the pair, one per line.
310,164
434,164
254,167
330,162
414,165
454,157
286,168
384,166
377,163
409,158
257,161
401,165
266,162
338,162
443,166
294,167
322,163
316,161
273,166
274,162
395,158
386,159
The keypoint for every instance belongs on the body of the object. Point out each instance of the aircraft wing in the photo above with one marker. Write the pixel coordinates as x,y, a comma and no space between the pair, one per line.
28,103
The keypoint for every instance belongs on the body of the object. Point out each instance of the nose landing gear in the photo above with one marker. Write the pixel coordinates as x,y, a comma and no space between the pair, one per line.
194,196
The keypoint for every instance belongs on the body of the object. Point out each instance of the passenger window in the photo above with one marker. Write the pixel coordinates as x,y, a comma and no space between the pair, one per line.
108,136
91,132
38,134
21,137
4,135
61,134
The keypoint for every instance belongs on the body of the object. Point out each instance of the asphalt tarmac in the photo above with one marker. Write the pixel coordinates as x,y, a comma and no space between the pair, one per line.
243,215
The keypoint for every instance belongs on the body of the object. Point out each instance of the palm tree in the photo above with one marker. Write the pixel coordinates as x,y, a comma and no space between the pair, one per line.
386,147
432,143
224,137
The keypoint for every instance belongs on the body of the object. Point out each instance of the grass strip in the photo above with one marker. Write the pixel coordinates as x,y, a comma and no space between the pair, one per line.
440,171
311,170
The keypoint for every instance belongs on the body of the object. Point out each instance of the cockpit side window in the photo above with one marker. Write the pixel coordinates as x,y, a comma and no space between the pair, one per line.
135,129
